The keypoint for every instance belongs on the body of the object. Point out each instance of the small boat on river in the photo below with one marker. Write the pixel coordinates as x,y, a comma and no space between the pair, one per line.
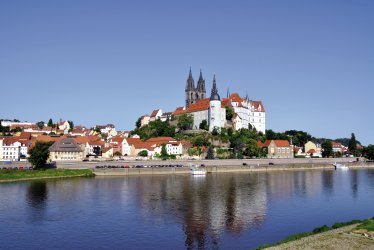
197,170
339,166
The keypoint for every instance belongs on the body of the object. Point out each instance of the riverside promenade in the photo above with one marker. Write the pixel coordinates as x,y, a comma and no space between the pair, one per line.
215,166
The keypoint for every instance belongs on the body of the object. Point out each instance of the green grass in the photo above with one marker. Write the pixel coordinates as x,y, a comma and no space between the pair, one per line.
368,224
45,173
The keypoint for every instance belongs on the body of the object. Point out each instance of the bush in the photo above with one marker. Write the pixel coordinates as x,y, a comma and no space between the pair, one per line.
324,228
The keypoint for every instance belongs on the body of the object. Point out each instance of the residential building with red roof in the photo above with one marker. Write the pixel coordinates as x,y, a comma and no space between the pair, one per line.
277,148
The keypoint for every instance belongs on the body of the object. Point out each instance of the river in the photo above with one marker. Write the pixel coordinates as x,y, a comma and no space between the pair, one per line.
219,211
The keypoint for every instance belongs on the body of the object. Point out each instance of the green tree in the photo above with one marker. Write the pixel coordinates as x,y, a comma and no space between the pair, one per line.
40,124
352,145
117,154
229,113
204,125
143,153
251,148
327,149
164,153
185,122
210,153
39,154
71,123
138,122
369,152
50,123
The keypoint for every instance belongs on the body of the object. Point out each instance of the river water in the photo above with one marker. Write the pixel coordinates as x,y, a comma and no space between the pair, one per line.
219,211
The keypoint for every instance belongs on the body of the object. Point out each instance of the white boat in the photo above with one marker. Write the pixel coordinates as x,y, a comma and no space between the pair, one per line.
197,170
340,166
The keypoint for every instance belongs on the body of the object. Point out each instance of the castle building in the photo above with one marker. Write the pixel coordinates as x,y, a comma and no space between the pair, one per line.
247,113
194,94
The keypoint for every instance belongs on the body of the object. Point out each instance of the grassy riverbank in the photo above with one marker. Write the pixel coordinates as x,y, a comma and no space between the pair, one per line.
13,175
296,239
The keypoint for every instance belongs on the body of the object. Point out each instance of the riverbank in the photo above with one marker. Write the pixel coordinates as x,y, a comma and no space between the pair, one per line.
23,175
349,235
149,170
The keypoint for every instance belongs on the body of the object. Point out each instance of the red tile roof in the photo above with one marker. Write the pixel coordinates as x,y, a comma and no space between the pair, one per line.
154,113
256,105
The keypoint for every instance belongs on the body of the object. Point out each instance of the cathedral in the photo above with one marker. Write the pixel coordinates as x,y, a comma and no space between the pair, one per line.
194,94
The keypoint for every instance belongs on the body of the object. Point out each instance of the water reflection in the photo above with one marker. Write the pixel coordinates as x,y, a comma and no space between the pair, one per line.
36,196
208,206
328,181
354,183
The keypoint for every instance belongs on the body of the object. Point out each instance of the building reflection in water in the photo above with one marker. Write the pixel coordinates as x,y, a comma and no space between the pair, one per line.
207,206
36,196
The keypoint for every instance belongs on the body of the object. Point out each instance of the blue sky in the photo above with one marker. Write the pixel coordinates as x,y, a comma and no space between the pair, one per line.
94,62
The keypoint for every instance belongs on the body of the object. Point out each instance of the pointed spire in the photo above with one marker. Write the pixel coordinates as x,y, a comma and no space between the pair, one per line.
214,94
246,96
201,83
228,92
190,85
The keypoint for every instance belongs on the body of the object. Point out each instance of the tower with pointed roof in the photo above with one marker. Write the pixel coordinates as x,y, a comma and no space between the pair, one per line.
217,114
194,94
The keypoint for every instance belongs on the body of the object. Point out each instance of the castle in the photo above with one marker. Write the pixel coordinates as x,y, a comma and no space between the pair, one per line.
247,113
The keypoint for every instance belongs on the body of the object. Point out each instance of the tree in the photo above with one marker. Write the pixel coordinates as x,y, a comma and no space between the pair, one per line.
210,153
185,122
369,152
40,124
204,125
143,153
71,123
327,149
164,153
50,123
138,122
117,154
352,145
251,148
229,113
39,154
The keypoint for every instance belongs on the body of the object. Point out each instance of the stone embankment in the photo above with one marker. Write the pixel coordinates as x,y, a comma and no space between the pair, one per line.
215,166
212,166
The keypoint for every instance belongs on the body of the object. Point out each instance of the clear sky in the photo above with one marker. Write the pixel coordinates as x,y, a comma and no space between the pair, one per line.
94,62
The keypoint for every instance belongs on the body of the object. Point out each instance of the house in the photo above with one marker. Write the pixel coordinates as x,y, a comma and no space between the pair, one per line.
173,147
155,115
107,153
297,151
312,149
65,149
277,148
144,120
108,129
14,148
65,126
91,145
337,147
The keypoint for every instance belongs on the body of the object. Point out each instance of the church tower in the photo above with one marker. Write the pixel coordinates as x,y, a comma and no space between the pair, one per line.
190,90
194,94
201,87
215,109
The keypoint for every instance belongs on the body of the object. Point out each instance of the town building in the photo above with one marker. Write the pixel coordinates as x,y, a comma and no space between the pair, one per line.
312,149
277,148
65,149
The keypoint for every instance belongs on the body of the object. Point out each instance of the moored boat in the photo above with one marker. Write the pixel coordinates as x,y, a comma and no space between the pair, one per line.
197,170
340,166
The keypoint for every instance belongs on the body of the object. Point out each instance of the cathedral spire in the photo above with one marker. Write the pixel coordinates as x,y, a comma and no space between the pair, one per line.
201,83
214,96
228,92
190,85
